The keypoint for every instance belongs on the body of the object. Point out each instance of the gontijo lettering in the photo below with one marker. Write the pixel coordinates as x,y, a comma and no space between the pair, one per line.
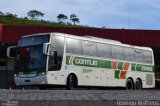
86,62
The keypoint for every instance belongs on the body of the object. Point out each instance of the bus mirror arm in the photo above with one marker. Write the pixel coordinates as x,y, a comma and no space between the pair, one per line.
46,48
9,51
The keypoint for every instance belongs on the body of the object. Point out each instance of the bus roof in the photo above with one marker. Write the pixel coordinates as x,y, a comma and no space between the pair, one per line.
90,38
101,40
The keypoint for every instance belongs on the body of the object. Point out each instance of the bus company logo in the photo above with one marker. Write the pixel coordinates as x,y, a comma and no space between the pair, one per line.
146,68
82,61
86,62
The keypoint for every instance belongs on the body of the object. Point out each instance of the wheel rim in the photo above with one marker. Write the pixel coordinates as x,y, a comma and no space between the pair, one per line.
71,82
138,85
129,85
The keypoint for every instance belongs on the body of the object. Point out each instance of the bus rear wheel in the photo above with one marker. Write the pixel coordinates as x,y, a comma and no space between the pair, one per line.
129,84
138,84
71,82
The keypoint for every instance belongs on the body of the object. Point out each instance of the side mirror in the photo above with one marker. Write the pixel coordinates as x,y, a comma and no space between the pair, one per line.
45,48
11,52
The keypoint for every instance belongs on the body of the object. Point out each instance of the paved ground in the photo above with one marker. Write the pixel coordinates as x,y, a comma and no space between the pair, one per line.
79,98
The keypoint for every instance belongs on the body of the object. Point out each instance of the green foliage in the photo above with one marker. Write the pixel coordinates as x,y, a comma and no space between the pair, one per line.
1,13
25,22
74,19
34,14
12,19
61,18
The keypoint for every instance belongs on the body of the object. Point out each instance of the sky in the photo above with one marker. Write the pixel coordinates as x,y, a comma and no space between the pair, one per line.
116,14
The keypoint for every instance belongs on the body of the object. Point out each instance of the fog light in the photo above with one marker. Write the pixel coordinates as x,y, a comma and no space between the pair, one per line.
42,82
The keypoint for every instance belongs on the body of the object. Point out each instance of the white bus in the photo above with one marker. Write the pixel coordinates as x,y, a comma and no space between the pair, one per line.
63,59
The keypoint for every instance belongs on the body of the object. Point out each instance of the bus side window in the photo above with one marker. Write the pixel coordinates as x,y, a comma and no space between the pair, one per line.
148,57
74,46
139,56
121,54
56,53
115,52
89,48
104,50
129,53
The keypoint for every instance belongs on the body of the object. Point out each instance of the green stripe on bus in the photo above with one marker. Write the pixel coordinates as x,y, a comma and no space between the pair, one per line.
120,65
81,61
105,64
142,68
67,59
88,62
116,75
133,67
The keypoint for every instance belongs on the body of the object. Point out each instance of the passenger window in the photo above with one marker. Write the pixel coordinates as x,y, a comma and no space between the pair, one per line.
139,56
104,50
148,57
74,46
129,53
89,48
121,54
114,52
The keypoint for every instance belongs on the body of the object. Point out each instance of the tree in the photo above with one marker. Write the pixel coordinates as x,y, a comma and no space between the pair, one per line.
8,14
74,19
1,13
61,18
34,14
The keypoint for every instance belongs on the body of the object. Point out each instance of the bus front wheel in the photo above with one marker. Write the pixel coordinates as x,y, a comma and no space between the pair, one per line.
71,82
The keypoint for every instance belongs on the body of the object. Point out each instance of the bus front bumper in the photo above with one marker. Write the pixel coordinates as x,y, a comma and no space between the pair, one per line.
36,80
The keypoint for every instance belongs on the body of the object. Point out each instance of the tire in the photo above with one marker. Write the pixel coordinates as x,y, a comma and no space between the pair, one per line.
138,84
70,82
129,84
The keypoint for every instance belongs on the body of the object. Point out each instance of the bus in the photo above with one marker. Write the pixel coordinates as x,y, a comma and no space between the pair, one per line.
46,59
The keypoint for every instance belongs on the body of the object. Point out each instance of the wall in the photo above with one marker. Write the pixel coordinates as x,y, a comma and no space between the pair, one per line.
150,38
1,29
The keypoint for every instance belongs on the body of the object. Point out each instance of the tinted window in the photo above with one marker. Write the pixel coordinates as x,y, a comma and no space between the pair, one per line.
104,50
89,48
30,58
139,56
118,52
74,46
115,52
33,40
129,53
121,55
56,53
148,57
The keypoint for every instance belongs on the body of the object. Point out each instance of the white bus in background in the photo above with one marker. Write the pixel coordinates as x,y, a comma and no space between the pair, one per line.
62,59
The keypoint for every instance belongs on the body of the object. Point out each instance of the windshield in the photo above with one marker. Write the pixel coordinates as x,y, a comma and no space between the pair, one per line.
34,40
29,59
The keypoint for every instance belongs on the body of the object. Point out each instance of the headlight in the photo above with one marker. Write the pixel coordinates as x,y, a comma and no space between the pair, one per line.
16,75
43,73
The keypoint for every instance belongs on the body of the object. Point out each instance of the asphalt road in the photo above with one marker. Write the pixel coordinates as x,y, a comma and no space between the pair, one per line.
79,98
